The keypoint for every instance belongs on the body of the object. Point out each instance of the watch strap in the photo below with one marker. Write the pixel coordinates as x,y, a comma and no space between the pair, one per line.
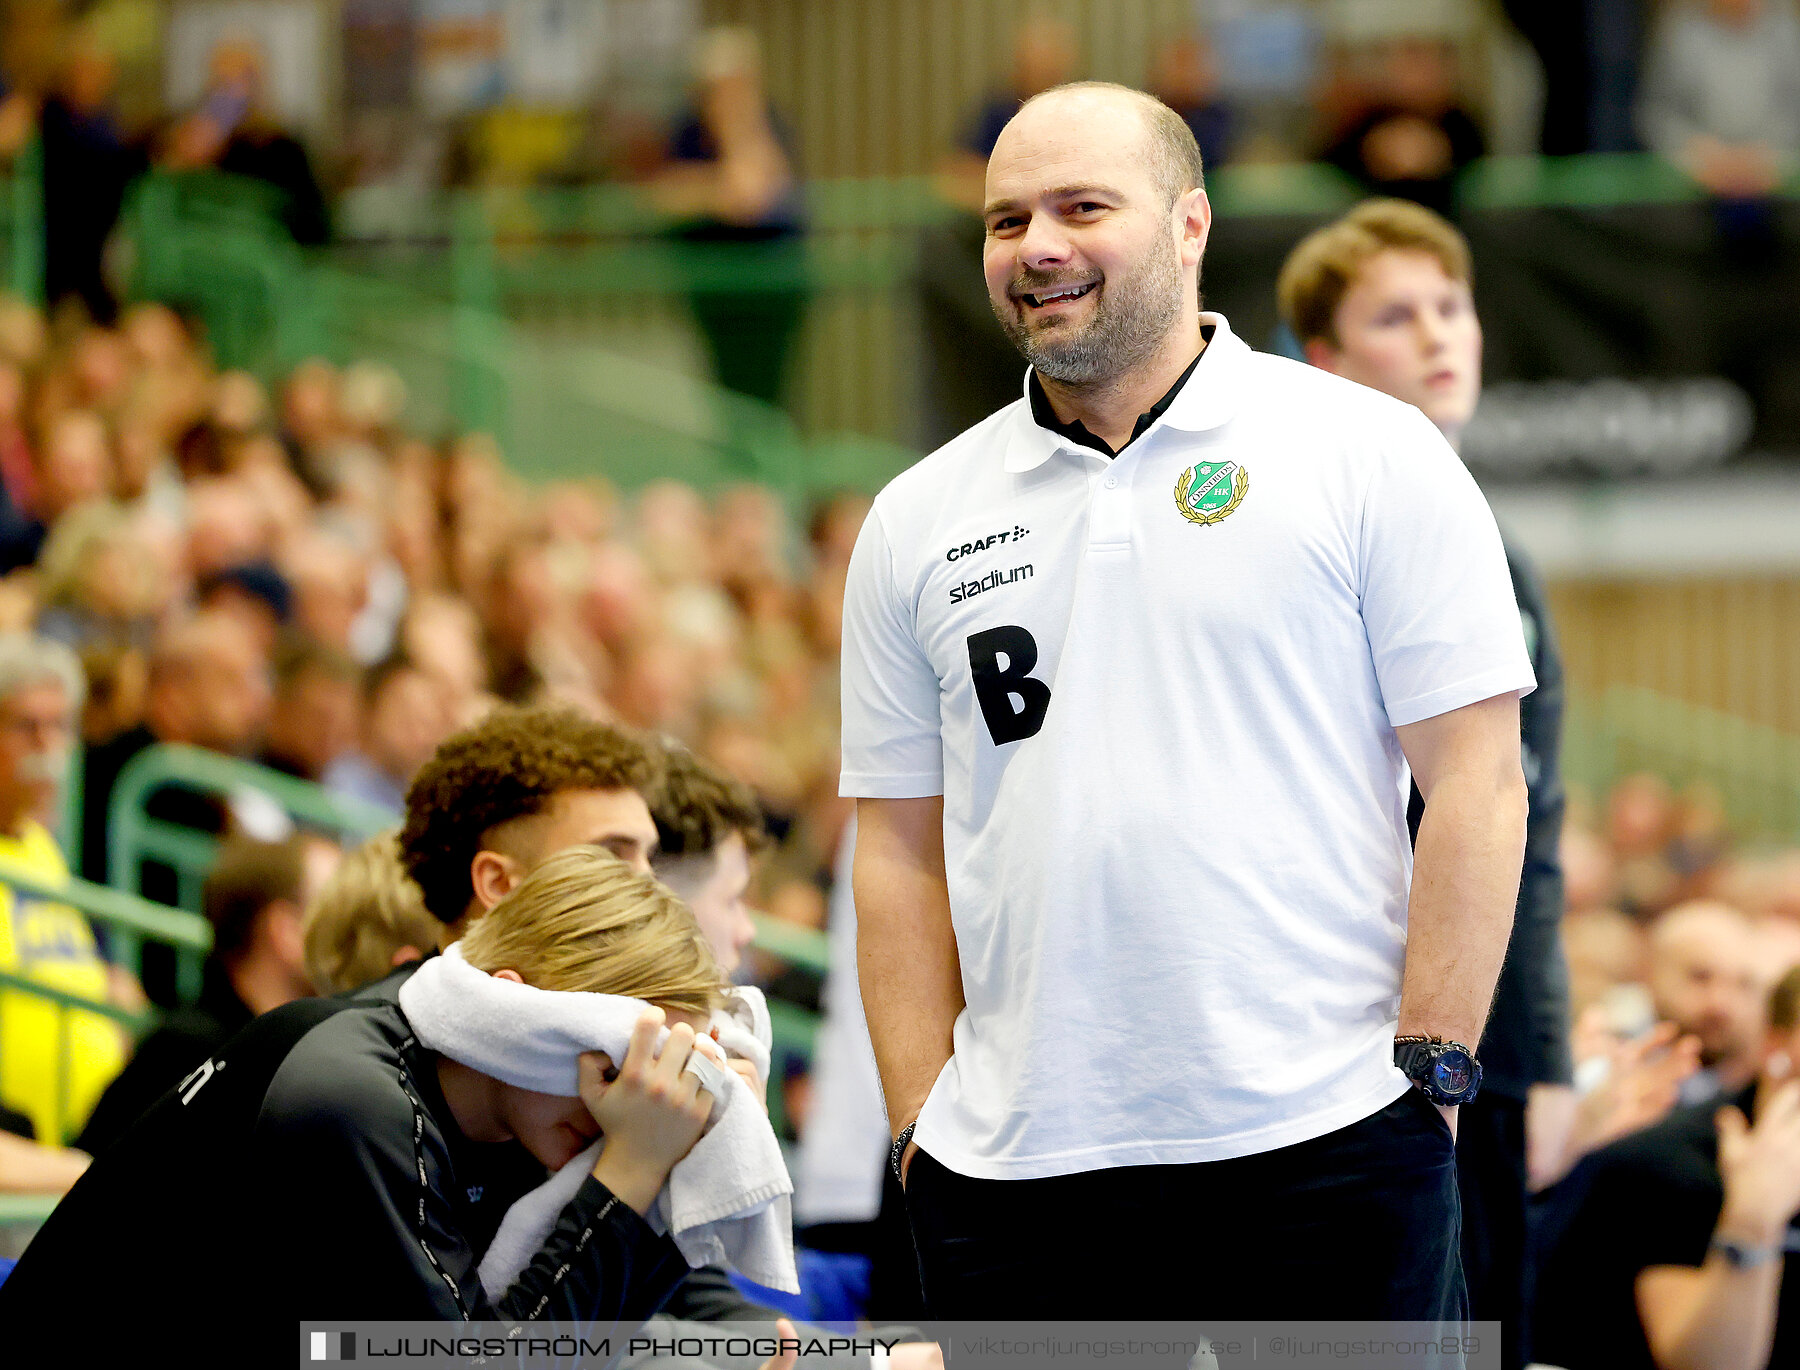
1742,1255
898,1151
1415,1057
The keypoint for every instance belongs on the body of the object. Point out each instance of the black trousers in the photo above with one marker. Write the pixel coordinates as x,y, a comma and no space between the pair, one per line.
1490,1172
1362,1223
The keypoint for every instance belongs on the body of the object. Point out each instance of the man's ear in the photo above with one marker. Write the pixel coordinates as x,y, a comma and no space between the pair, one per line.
1193,219
1323,355
492,877
512,975
283,931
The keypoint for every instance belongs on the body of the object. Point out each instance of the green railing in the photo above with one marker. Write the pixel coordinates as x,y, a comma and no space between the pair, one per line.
539,315
134,837
22,210
25,1210
795,1029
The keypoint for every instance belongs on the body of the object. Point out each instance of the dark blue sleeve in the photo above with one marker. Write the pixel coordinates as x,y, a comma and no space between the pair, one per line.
1527,1040
985,131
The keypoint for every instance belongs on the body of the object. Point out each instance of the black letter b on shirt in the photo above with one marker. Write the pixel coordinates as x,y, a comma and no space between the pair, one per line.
996,688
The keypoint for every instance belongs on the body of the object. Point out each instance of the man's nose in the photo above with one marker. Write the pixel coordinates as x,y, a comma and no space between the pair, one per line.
1045,243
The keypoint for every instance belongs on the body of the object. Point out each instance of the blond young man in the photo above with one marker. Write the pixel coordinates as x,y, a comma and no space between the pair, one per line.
1382,297
325,1164
369,918
509,793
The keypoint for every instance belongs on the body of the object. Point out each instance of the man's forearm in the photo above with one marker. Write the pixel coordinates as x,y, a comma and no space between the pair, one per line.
906,957
1715,1318
1465,881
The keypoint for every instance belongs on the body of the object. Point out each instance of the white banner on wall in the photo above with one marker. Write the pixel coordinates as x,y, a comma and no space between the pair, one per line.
290,35
555,49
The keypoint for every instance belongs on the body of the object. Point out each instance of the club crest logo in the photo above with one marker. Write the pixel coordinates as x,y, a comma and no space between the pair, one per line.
1209,491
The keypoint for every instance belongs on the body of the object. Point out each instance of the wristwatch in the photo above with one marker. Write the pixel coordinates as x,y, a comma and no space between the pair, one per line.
1446,1073
1741,1255
899,1150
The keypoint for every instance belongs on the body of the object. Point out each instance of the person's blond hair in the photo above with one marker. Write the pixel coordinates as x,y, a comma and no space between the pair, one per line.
1322,268
583,920
367,912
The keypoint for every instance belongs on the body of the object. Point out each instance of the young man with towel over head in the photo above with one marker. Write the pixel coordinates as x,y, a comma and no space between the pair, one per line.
508,793
384,1158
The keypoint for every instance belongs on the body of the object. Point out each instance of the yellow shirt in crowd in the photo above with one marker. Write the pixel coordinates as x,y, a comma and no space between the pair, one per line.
53,945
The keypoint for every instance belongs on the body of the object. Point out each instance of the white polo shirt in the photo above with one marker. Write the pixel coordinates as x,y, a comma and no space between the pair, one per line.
1158,694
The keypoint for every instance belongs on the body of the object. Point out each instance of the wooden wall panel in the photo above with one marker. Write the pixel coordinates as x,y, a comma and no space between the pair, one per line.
1727,644
884,87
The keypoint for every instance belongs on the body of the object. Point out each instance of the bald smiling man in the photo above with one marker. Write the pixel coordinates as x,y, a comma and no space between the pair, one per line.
1135,675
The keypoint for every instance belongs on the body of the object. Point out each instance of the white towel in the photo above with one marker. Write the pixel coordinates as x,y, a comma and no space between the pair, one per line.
728,1201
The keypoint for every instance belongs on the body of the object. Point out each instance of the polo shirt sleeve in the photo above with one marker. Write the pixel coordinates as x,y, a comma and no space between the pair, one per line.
1437,600
892,740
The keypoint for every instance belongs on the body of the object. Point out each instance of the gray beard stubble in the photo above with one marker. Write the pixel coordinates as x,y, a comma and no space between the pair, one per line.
1131,319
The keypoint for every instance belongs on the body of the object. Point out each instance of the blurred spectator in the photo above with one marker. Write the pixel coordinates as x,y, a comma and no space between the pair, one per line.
330,578
18,119
21,535
1413,136
1589,878
234,131
51,944
1591,51
254,595
98,579
1045,54
404,717
442,634
208,686
309,419
316,713
1672,1258
730,176
1640,823
708,828
86,168
75,465
1185,77
254,897
1704,978
1721,96
1606,951
369,918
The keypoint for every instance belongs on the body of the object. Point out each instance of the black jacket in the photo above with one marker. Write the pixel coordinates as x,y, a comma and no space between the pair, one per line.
1527,1037
182,1041
311,1169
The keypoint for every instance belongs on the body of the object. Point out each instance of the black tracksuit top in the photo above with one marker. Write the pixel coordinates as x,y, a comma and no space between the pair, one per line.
310,1169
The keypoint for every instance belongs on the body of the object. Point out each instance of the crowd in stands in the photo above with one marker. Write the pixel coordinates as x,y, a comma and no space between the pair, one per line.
294,578
1708,84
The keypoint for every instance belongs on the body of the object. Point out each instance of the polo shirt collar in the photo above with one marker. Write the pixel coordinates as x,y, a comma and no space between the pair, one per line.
1209,399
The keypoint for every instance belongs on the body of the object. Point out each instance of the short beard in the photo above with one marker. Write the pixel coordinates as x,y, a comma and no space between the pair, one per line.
1131,318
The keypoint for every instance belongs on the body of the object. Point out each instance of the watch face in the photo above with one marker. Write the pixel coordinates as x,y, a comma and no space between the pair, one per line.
1453,1072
